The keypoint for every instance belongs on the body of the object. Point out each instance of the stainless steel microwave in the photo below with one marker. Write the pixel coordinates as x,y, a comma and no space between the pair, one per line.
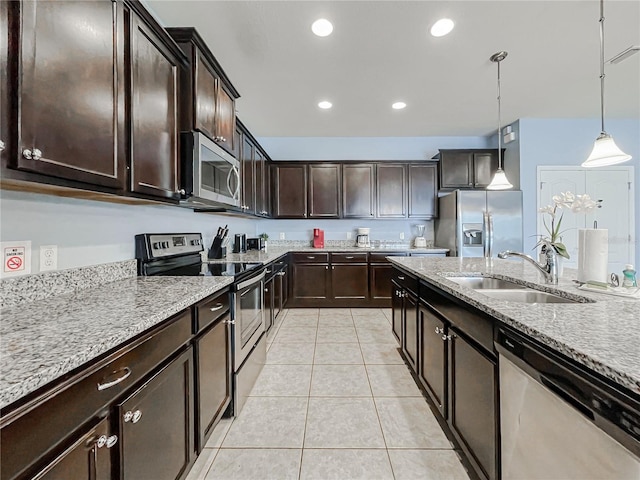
210,175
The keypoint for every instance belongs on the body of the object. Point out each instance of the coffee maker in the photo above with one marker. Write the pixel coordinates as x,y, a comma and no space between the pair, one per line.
362,238
318,238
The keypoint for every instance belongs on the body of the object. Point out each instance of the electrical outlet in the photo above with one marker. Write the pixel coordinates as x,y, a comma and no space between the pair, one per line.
48,257
401,235
348,235
281,235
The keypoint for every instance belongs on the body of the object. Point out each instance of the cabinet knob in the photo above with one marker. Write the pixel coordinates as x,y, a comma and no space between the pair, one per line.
182,191
266,290
112,440
28,154
102,441
37,154
1,145
439,330
326,268
133,417
332,267
446,337
230,322
280,274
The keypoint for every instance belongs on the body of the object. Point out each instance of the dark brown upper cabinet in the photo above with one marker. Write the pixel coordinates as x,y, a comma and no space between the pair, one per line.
154,128
467,168
67,91
290,191
391,191
324,190
423,191
208,97
358,190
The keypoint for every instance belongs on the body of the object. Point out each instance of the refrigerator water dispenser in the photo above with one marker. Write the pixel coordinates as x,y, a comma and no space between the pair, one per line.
472,235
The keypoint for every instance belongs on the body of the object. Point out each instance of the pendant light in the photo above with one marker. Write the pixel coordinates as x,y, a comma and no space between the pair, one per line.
499,181
605,151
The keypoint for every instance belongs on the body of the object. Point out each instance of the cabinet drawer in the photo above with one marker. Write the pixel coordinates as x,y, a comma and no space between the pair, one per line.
210,310
475,325
310,257
34,430
409,282
380,257
349,258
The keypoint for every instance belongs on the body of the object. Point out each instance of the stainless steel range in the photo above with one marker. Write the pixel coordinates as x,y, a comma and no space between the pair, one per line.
172,254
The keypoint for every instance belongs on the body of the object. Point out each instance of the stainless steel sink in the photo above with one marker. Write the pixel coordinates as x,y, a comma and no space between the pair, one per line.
482,283
525,295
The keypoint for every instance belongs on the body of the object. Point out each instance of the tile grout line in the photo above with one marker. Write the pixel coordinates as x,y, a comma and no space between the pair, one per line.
306,417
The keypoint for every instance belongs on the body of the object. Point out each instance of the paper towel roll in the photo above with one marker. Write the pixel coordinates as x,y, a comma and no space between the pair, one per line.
593,254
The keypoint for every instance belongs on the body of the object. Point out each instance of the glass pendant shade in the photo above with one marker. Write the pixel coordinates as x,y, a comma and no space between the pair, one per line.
499,181
605,152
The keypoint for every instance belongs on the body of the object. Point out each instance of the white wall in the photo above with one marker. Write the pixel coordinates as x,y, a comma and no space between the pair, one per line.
568,142
89,232
364,148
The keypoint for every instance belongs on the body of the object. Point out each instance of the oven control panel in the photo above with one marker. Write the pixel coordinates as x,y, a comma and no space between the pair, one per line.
158,245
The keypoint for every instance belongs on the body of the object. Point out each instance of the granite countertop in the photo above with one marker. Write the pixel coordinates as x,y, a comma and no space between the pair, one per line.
603,336
44,339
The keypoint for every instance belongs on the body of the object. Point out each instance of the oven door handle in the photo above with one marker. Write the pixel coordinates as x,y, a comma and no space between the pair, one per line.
251,281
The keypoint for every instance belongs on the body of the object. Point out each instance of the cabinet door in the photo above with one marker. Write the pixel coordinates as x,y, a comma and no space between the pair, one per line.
485,165
358,187
225,118
156,424
410,330
204,97
391,191
154,115
310,281
269,304
285,286
277,294
4,83
381,288
213,372
423,191
290,191
456,169
349,281
433,357
260,181
88,457
70,91
473,408
397,311
324,191
247,165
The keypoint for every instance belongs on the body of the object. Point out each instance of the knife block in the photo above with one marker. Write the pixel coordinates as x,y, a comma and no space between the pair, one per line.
217,250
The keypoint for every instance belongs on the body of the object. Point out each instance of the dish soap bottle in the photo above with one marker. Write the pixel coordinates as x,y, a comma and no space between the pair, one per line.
629,276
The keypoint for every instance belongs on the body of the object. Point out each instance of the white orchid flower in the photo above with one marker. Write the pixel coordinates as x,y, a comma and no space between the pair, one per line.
548,209
583,203
564,200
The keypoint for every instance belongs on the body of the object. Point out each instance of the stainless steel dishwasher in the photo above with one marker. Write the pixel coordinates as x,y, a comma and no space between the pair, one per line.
561,422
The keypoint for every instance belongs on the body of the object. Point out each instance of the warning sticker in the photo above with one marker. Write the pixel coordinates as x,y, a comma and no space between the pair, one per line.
14,258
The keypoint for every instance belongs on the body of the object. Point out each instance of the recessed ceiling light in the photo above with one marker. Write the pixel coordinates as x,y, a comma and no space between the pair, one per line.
398,105
325,105
322,27
442,27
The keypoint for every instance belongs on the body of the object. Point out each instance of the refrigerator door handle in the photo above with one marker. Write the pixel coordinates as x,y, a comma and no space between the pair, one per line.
485,234
490,240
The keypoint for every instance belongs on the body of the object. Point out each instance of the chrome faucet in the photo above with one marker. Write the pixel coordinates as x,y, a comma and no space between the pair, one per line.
549,269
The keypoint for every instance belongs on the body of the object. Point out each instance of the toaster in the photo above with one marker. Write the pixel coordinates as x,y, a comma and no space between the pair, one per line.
255,243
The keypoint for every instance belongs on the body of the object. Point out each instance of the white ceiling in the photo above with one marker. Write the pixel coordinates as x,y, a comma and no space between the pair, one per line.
381,52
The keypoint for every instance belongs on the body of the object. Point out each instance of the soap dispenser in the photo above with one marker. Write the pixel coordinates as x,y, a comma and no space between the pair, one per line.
629,279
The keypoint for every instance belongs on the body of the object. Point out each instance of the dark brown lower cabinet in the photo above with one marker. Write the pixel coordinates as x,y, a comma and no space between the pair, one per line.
213,370
473,412
397,311
156,424
311,283
350,282
410,329
432,360
87,457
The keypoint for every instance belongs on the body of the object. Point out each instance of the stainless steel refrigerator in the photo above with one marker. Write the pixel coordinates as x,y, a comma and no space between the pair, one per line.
474,223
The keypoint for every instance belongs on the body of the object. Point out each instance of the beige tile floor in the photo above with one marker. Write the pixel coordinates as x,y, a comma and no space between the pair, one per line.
335,401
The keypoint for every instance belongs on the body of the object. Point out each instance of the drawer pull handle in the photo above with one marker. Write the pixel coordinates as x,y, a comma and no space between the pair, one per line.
349,258
311,257
281,274
230,322
217,307
400,278
123,375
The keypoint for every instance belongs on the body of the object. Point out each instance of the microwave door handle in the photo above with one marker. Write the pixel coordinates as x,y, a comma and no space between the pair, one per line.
236,194
229,182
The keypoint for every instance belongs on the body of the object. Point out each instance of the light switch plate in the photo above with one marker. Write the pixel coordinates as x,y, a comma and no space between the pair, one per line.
348,235
401,235
281,235
16,258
